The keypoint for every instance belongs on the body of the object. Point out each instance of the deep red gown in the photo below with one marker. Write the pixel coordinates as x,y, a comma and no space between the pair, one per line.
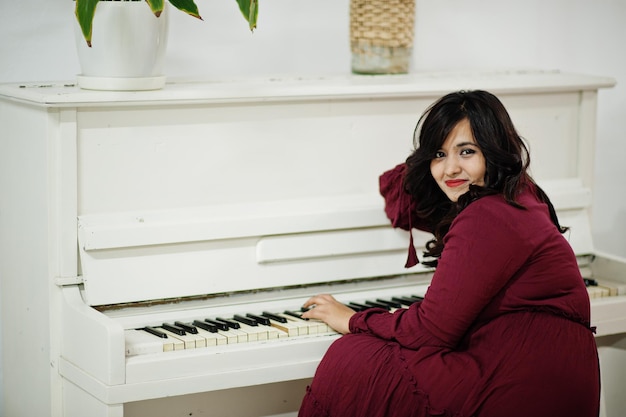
503,330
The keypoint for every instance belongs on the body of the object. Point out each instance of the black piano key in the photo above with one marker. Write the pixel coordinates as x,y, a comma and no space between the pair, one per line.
206,326
218,324
404,300
245,320
274,317
417,297
357,306
295,314
259,319
390,303
186,327
376,304
590,282
154,331
174,329
230,323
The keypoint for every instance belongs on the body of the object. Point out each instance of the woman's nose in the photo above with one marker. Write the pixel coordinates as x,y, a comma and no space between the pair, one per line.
452,166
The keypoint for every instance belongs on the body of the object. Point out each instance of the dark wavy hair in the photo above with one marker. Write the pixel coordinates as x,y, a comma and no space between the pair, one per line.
506,156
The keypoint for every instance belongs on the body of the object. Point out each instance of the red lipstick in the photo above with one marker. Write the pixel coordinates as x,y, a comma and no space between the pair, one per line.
455,183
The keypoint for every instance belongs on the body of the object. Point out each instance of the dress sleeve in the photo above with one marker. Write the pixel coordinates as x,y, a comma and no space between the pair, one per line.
482,252
400,207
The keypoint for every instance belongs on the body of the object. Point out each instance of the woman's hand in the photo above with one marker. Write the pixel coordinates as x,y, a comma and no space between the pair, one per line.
324,307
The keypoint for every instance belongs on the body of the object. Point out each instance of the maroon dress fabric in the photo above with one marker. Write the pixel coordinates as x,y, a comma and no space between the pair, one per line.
503,330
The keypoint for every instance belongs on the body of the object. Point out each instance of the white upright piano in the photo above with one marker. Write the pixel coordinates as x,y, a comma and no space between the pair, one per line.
122,213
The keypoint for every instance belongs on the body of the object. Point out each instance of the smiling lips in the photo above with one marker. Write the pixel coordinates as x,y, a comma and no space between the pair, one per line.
455,183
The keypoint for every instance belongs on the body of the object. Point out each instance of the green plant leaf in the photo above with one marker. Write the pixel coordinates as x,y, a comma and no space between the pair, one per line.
85,10
187,6
156,6
250,11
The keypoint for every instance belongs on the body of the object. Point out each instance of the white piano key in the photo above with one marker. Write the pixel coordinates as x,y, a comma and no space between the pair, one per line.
172,342
200,342
318,327
315,326
234,336
323,327
275,333
187,341
596,291
253,333
615,287
603,292
289,329
212,339
302,325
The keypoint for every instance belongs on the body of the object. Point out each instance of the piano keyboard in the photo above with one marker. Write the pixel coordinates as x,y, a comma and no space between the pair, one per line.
604,288
263,326
241,328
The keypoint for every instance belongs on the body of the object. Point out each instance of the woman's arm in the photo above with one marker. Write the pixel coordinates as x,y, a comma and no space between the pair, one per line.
482,252
401,208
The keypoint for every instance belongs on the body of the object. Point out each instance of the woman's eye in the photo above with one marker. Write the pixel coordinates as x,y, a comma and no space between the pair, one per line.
467,151
439,154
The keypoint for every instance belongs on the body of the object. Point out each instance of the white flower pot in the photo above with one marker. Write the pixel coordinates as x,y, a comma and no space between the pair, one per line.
128,47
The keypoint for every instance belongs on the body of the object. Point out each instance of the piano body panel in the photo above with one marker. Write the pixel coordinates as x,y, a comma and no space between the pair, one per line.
212,281
215,154
272,400
154,162
609,316
189,378
177,197
88,334
77,402
169,155
188,261
229,221
612,352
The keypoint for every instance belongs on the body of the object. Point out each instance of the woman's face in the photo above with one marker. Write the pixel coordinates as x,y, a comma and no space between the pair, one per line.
459,162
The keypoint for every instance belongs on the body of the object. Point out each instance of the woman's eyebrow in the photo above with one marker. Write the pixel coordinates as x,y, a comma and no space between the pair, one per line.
460,145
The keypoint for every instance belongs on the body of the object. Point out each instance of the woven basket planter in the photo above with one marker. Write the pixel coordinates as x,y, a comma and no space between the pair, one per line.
381,35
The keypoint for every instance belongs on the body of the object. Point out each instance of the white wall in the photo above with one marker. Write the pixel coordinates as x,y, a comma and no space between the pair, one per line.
300,37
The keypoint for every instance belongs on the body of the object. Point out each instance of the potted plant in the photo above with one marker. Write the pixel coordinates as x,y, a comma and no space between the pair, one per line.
85,11
129,40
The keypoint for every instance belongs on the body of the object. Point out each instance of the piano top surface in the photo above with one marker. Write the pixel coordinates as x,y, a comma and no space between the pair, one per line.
429,84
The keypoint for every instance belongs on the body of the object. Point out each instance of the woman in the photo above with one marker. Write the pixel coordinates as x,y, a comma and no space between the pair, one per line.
503,330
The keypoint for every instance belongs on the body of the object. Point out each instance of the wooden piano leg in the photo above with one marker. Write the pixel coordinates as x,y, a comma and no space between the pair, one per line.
78,403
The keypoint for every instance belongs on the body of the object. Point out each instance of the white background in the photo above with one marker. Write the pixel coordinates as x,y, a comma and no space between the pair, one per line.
299,37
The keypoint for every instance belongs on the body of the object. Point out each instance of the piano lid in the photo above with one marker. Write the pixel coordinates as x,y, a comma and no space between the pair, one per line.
223,191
